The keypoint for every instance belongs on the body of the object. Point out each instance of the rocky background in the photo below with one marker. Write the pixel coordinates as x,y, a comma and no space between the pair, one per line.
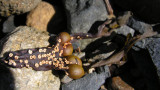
30,23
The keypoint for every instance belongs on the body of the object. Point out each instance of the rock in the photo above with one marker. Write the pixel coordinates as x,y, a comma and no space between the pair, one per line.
40,16
138,25
24,37
153,47
8,25
143,43
8,7
83,13
119,84
142,27
125,30
91,81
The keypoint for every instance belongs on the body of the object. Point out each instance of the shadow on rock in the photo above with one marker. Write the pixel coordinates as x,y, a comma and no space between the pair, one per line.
7,79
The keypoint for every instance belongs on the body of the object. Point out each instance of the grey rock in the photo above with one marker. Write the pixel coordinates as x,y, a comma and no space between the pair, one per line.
8,25
8,7
138,25
154,50
91,81
143,43
83,13
125,30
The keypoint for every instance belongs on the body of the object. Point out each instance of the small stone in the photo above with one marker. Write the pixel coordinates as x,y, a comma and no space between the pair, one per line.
125,30
40,16
119,84
138,25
